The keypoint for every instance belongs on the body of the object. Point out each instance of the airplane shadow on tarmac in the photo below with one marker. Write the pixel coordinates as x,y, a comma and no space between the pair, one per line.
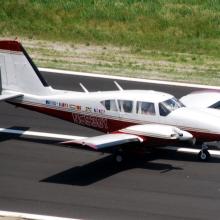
101,169
105,167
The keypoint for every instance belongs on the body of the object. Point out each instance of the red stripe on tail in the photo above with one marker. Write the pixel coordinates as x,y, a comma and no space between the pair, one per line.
10,45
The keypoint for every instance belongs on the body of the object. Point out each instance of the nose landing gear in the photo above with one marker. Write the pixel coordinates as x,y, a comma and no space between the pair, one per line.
204,154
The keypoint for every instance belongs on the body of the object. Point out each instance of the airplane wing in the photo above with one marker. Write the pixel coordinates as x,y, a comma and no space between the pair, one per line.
133,134
106,141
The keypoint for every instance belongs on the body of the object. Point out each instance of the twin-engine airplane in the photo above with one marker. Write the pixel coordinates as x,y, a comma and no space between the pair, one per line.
133,120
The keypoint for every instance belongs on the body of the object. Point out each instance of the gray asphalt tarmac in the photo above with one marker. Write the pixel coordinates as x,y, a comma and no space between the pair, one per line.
37,176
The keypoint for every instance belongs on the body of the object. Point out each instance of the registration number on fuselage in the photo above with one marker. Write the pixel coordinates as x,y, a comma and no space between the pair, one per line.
90,121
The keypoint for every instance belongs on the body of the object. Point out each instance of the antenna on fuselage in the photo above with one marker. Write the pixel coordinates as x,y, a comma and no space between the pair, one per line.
118,86
84,88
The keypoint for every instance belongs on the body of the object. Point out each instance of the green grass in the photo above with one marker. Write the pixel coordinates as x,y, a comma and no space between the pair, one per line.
191,26
113,60
178,32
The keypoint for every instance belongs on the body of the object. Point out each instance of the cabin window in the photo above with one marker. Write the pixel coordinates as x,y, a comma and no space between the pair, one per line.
145,108
125,106
109,105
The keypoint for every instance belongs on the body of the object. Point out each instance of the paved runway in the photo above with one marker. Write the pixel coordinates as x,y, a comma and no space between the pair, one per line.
40,177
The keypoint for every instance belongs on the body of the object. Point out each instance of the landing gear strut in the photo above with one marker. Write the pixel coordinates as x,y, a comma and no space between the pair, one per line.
204,154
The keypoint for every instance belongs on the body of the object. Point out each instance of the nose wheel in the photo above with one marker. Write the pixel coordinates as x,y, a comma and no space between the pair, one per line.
204,154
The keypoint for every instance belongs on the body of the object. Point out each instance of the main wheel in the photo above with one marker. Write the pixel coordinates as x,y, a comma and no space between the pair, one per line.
119,158
204,155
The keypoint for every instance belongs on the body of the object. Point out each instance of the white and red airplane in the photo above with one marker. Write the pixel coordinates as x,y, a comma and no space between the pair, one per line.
131,119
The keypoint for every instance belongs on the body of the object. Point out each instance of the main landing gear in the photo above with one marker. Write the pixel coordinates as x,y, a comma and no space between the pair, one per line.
204,154
119,156
122,156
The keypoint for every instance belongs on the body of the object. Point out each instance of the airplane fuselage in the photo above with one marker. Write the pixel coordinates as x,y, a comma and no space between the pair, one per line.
115,110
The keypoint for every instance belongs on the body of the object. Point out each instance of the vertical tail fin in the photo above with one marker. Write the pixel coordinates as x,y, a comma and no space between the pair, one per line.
18,72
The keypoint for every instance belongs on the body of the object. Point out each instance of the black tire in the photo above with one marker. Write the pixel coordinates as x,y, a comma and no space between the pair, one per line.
119,158
204,155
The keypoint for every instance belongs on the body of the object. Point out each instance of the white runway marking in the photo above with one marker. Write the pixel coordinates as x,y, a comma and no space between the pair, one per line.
40,134
191,150
128,78
73,137
31,216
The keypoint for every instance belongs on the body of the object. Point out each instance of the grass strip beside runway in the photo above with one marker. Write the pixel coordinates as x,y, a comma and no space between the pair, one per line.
174,39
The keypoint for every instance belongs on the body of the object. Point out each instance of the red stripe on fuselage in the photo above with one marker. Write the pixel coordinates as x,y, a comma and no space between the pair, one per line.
101,124
104,124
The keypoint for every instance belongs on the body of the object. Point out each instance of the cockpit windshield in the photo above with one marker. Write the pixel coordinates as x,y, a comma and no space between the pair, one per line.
169,105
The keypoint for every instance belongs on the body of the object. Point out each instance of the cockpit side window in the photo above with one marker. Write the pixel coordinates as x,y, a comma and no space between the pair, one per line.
110,105
145,108
169,105
163,110
125,106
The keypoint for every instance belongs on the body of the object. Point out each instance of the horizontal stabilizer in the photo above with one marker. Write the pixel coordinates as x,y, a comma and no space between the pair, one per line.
7,96
107,141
